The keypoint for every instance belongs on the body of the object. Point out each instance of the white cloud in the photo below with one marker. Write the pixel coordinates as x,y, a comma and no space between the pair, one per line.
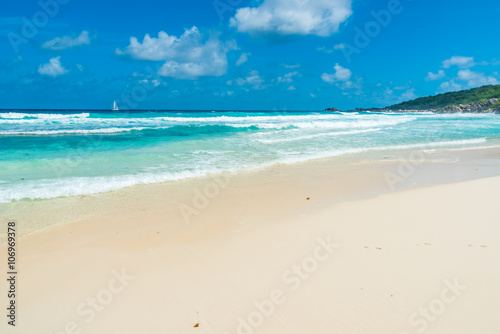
330,78
435,76
65,42
150,82
291,88
189,56
324,49
476,79
450,86
335,47
252,79
340,74
342,79
293,17
291,65
354,85
288,78
389,96
462,62
243,59
53,68
469,79
465,78
409,94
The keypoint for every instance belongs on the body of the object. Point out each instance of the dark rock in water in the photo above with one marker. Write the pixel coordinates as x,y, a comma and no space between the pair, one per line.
332,109
365,109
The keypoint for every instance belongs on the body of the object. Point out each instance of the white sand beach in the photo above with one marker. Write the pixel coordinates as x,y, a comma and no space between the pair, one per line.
320,247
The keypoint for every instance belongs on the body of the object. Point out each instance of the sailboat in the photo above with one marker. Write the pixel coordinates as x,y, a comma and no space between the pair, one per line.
115,107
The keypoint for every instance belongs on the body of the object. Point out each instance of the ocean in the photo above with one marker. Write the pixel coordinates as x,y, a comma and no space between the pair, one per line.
48,154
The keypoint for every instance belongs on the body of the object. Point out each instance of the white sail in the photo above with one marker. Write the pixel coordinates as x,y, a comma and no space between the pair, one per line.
115,107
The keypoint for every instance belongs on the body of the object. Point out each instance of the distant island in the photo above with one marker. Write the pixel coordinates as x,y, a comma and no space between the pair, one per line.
477,100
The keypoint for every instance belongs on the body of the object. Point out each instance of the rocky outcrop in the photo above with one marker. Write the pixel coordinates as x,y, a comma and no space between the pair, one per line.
492,105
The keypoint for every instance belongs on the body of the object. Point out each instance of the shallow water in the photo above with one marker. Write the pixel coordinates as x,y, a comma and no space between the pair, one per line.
50,154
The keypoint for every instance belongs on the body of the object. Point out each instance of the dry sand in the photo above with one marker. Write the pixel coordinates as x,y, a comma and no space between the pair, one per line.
323,247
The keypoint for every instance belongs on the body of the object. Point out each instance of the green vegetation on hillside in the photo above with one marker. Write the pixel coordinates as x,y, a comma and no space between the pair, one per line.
481,94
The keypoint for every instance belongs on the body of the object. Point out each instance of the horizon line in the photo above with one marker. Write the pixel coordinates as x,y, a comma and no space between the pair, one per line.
132,110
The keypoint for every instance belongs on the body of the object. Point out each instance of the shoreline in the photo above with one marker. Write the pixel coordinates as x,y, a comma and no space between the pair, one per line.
312,242
383,165
387,170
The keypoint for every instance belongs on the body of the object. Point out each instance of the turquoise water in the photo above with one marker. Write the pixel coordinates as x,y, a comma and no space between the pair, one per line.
52,154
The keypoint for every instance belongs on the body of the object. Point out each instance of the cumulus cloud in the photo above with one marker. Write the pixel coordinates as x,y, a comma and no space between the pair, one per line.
252,79
243,59
397,94
53,68
408,94
340,74
469,79
435,76
66,42
450,86
287,78
460,61
188,56
293,17
476,79
342,79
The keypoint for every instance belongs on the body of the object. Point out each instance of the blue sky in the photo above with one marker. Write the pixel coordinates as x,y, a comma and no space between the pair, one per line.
243,54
